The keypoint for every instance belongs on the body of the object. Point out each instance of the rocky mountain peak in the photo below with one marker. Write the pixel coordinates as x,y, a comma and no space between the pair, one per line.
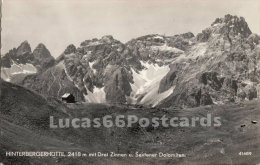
42,56
229,26
41,45
41,51
107,39
70,49
24,48
234,24
187,35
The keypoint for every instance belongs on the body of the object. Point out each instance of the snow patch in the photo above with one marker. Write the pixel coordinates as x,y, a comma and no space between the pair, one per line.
16,69
91,66
158,37
218,102
216,24
147,82
97,96
153,98
248,82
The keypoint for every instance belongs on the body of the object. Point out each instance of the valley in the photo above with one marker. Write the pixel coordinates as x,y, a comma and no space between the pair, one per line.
25,127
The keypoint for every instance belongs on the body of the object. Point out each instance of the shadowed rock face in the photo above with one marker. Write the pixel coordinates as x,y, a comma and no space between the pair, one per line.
220,64
117,86
23,48
70,49
168,81
43,57
21,55
7,59
210,78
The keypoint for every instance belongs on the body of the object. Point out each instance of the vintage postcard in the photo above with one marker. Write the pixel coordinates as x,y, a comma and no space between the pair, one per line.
131,82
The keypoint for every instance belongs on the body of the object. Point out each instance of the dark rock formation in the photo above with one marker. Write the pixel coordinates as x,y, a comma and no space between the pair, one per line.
117,86
43,57
210,78
70,49
23,48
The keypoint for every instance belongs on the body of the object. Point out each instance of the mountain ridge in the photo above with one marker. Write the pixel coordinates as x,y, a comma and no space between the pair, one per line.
217,65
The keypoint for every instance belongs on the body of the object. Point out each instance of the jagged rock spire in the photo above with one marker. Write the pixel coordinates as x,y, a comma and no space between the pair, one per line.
235,25
23,48
70,49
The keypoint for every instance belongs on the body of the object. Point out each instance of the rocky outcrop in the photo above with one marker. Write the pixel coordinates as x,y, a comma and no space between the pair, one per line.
229,27
168,81
230,85
6,60
211,79
252,93
171,77
205,99
203,36
117,86
233,25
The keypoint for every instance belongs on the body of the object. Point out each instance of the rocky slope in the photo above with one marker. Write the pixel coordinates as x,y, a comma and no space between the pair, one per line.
223,66
220,64
106,70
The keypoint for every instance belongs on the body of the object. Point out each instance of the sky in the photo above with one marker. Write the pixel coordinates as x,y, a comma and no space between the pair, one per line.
58,23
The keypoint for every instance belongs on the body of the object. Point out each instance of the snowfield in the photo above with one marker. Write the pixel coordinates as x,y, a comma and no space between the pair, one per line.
26,69
146,84
98,96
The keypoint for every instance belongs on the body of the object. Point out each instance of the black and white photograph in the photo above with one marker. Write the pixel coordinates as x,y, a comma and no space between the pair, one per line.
130,82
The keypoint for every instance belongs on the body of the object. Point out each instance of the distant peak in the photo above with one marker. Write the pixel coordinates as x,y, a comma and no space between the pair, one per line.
235,24
70,49
107,38
41,45
25,42
23,48
228,19
41,51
